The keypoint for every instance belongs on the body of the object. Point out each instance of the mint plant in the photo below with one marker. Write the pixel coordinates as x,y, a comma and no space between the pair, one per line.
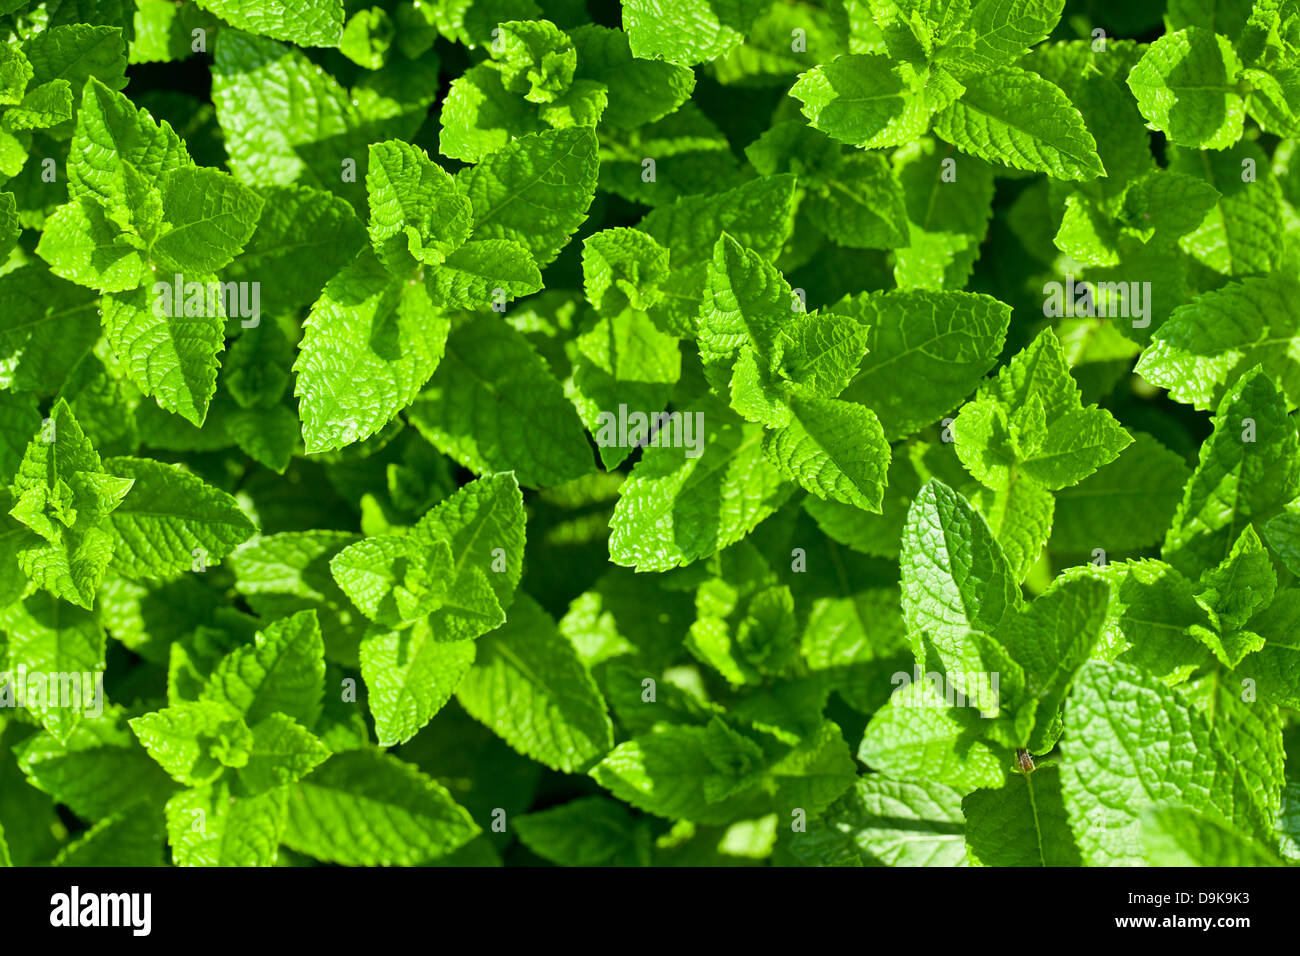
518,432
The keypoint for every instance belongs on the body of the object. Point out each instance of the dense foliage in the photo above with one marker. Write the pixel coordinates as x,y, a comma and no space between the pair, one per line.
683,432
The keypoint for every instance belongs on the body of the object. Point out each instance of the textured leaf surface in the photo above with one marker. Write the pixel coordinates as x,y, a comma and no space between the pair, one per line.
528,668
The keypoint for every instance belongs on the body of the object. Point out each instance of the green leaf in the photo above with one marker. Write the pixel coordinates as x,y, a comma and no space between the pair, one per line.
368,347
62,647
1051,639
640,90
537,59
916,736
365,808
206,826
1004,30
1017,118
1022,824
1206,346
211,217
494,406
283,752
886,822
281,574
703,774
1180,836
195,742
862,205
62,493
623,267
865,100
304,236
1248,469
171,521
1157,614
534,191
1242,584
394,579
483,272
1185,86
623,360
1126,504
172,357
283,671
128,838
926,351
687,32
528,685
415,209
676,507
480,115
483,523
836,450
954,575
1121,726
305,22
588,831
410,675
98,770
1031,422
759,215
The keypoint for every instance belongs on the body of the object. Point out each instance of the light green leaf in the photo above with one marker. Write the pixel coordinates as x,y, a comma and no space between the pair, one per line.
483,522
410,674
1180,836
1248,469
864,100
171,357
926,351
534,191
195,742
415,210
588,831
113,135
915,735
1124,505
1130,744
1185,86
283,752
206,826
676,507
98,770
62,494
1017,118
365,808
304,22
834,449
171,520
954,575
208,219
62,646
1051,639
1022,824
687,32
1205,347
483,272
494,406
368,347
1031,422
529,686
703,774
886,822
282,671
640,90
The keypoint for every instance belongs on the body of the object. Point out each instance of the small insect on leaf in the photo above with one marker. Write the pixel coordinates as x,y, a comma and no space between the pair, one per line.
1025,761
